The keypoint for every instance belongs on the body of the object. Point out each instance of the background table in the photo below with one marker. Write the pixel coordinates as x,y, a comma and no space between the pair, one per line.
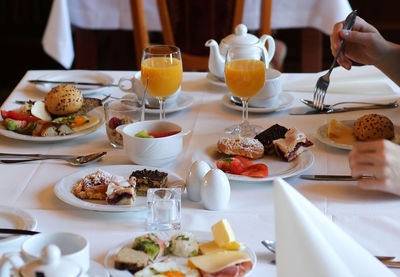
371,218
115,14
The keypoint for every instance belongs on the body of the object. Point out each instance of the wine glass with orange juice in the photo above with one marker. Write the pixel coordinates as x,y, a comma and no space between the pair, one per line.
162,66
245,72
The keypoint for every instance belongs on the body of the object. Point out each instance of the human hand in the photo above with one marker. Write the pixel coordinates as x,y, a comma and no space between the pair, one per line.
363,44
379,159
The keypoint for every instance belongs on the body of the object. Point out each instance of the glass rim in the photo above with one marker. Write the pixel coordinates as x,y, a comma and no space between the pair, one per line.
129,102
173,49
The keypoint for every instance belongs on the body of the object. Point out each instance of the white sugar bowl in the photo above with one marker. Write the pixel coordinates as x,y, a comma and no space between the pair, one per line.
215,190
194,178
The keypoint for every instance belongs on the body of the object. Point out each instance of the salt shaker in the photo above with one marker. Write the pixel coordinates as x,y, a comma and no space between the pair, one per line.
194,178
215,190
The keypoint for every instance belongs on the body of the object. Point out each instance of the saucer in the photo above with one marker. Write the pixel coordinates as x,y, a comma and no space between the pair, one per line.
96,270
183,101
215,80
284,102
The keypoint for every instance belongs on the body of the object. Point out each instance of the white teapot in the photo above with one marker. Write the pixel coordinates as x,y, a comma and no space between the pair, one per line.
51,264
216,61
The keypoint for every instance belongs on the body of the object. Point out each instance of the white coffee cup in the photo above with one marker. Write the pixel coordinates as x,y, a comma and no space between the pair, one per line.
72,246
269,94
134,85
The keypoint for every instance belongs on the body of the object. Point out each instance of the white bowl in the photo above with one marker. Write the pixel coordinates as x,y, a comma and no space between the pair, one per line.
155,152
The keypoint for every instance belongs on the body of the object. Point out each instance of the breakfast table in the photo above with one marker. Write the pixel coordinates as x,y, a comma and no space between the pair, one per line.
370,217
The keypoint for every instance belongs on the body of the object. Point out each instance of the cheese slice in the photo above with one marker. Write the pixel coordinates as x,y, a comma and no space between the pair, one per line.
339,132
209,247
223,233
217,261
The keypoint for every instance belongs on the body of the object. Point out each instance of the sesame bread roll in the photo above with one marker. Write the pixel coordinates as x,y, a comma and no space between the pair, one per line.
63,100
372,127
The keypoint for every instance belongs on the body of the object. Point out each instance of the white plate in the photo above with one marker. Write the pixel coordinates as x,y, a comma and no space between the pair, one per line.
14,218
215,81
75,76
201,236
183,101
63,188
92,113
276,166
322,135
285,100
97,270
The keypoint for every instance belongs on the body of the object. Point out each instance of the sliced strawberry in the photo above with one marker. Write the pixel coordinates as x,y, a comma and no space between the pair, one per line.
162,134
230,165
256,171
245,161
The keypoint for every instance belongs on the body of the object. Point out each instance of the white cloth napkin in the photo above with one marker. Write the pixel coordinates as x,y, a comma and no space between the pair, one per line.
57,39
367,80
309,244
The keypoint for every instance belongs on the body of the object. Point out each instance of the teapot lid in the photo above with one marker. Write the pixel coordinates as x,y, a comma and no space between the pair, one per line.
240,37
51,264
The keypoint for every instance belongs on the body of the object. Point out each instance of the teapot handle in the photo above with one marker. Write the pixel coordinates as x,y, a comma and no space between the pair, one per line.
10,264
271,49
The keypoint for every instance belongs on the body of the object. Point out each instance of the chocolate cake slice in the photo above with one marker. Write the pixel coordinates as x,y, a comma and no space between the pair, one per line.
267,136
146,179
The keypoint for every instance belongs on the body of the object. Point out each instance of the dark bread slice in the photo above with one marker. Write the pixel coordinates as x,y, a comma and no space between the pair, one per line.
88,105
130,259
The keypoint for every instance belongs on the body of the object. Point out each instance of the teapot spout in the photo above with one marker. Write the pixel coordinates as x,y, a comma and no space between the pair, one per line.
216,63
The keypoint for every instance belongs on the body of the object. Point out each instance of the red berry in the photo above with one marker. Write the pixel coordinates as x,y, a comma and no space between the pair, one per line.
115,122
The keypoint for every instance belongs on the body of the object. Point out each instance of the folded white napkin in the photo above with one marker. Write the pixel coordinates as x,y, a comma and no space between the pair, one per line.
57,39
366,80
309,244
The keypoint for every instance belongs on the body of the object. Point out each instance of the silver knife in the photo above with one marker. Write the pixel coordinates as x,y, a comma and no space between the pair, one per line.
17,231
73,83
342,110
391,264
328,177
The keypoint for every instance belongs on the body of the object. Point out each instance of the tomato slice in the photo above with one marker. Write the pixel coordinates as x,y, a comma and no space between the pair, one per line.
163,134
245,161
230,165
256,171
18,116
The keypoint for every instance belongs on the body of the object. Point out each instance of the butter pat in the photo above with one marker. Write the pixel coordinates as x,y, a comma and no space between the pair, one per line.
223,235
209,247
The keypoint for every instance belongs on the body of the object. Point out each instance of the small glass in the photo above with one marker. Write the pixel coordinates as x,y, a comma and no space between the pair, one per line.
163,209
120,112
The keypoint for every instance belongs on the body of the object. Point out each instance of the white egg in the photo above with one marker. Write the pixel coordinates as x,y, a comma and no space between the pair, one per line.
194,178
165,266
215,190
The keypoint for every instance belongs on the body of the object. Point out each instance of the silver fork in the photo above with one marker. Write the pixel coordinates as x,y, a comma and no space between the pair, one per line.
323,81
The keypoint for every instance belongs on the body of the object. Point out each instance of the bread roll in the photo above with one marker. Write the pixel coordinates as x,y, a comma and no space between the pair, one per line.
63,100
373,126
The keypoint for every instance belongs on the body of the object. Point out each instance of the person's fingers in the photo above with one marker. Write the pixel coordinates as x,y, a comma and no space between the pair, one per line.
356,37
370,146
372,184
374,158
334,38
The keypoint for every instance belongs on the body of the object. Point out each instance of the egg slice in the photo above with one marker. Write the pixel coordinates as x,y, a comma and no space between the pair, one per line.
168,268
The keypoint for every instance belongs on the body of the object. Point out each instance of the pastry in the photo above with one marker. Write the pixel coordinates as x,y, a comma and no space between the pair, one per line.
242,146
267,136
146,179
120,194
63,100
373,126
292,145
130,259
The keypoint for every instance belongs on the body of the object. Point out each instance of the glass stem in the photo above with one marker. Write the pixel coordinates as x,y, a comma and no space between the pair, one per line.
161,101
245,109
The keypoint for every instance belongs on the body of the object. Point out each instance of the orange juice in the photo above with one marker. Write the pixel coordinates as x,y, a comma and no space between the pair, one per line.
245,78
165,76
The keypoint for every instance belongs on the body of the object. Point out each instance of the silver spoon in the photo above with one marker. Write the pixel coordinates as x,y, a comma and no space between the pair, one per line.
270,245
73,160
330,107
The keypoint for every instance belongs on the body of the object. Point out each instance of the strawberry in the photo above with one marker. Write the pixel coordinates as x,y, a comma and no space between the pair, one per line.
162,134
256,171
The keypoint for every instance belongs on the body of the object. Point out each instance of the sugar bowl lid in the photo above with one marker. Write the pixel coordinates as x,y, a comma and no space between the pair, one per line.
240,37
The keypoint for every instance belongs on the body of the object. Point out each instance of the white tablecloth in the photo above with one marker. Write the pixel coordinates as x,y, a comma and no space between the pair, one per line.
371,218
115,14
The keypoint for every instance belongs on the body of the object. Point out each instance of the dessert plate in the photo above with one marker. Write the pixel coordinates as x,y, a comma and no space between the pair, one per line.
201,236
92,113
14,218
276,166
96,270
75,76
322,136
284,102
183,101
215,80
63,188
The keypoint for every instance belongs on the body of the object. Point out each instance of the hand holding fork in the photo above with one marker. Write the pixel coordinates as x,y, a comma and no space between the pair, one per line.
323,81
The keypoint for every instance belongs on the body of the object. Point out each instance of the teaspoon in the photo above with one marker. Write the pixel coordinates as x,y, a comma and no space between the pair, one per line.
73,160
